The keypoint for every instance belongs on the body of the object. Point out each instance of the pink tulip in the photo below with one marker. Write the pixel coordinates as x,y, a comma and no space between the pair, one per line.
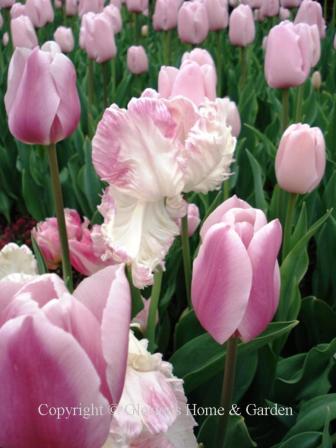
6,3
114,14
193,218
269,8
137,5
193,81
5,39
236,282
310,36
165,14
40,12
233,117
301,159
192,23
290,3
284,13
86,6
76,358
1,21
137,60
41,101
218,14
97,37
23,33
64,37
200,56
17,10
58,4
311,12
288,57
71,7
252,3
116,3
242,27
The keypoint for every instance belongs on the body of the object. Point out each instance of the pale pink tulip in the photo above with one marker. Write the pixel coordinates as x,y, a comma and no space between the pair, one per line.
151,386
41,101
192,23
86,6
116,3
311,12
288,57
17,10
284,13
1,21
97,37
233,117
58,4
236,282
290,3
137,60
74,359
241,26
65,39
252,3
218,14
114,14
193,218
40,12
269,8
23,33
6,3
5,39
165,14
137,5
301,159
310,37
200,56
71,7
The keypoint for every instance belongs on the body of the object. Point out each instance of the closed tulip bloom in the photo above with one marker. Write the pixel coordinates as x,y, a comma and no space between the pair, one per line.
5,39
269,8
165,14
301,159
76,356
18,9
316,80
218,14
97,37
23,33
71,7
290,3
311,12
241,27
193,218
6,3
193,81
192,23
40,12
137,5
114,14
284,13
200,56
41,101
236,281
137,60
287,58
64,37
311,38
233,117
85,6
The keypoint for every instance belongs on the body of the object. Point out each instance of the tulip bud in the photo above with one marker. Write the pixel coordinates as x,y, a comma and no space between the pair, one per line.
41,101
6,3
137,60
301,159
144,30
23,32
64,37
40,12
269,8
200,56
316,80
311,12
192,23
137,5
58,4
233,117
71,7
90,6
5,39
218,14
287,58
97,37
193,218
311,40
165,14
241,28
17,10
114,15
284,13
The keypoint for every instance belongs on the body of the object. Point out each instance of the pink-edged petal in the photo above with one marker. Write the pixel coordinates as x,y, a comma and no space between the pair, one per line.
115,332
15,73
10,285
184,113
217,215
40,364
221,283
22,305
263,251
189,82
86,291
44,288
75,318
37,92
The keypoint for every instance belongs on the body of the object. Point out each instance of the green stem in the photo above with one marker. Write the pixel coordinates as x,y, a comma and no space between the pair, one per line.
186,257
226,189
105,83
153,310
228,386
219,48
166,46
135,24
285,109
90,95
288,224
243,67
299,100
62,231
113,78
137,304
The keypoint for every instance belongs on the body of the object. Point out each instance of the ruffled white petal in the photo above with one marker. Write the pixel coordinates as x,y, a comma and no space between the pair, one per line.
17,259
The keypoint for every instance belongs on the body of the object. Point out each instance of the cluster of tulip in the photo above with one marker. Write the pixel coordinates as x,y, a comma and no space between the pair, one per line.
178,221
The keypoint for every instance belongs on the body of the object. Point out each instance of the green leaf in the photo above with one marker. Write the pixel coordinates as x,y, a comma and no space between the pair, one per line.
309,439
41,264
258,182
187,328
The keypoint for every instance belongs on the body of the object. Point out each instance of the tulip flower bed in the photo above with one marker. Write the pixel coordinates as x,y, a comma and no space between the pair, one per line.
167,224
